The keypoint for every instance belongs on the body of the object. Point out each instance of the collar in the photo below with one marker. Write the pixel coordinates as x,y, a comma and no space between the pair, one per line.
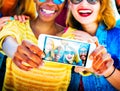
101,34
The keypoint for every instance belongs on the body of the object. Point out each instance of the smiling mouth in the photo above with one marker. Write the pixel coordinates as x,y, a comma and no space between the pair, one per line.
48,11
85,13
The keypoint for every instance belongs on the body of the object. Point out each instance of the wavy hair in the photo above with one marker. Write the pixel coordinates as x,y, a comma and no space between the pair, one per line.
106,15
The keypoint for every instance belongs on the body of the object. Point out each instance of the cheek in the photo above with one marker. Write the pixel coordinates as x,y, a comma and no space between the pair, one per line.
61,6
72,6
74,12
96,12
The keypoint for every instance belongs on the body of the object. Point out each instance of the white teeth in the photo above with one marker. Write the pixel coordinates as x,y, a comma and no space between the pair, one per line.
85,11
48,11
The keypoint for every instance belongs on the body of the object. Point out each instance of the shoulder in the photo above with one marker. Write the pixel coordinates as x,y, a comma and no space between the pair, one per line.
16,23
114,32
113,40
14,27
115,29
19,25
68,32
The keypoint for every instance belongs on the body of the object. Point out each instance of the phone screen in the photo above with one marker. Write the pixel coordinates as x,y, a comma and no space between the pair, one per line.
65,51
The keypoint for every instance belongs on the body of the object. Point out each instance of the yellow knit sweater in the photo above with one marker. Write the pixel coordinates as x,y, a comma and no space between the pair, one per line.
50,77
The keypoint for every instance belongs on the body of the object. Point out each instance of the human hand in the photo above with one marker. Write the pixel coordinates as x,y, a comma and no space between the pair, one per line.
3,21
21,18
79,69
102,60
84,36
28,56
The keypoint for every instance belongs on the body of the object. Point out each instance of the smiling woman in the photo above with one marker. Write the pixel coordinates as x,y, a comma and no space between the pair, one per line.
22,42
95,22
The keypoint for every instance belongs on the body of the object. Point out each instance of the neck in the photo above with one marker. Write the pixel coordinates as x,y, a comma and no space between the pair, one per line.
40,27
90,28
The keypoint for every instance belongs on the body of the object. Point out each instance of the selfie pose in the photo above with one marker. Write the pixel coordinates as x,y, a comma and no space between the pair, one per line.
94,22
26,71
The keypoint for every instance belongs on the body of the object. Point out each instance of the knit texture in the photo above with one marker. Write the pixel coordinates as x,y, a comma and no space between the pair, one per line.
50,77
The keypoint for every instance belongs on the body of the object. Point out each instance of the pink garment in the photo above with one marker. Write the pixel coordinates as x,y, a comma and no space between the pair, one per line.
62,17
65,29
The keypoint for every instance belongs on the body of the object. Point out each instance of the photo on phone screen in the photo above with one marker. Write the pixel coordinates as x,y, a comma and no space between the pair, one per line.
65,51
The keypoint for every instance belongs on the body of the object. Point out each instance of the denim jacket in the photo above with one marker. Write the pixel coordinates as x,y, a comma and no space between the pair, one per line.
110,39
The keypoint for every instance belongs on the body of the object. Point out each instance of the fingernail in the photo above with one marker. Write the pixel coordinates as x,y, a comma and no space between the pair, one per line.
30,68
42,55
6,23
41,65
91,57
11,18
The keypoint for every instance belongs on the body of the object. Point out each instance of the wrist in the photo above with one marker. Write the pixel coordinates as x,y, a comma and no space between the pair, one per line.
110,72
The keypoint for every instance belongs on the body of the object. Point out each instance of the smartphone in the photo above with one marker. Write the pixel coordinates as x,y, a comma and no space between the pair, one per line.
66,51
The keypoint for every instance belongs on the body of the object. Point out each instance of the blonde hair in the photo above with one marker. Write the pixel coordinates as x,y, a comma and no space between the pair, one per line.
26,7
106,15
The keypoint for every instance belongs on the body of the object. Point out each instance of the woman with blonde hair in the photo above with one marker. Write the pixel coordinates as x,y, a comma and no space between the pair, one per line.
96,18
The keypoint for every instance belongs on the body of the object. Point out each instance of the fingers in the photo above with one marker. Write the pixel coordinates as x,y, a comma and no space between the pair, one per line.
20,65
84,36
28,55
3,21
98,51
25,60
34,49
21,18
32,52
2,24
101,60
79,69
95,40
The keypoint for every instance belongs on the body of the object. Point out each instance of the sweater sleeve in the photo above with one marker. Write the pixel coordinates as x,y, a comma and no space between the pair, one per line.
13,28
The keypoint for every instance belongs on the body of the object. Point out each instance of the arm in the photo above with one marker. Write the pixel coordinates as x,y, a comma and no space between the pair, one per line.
102,61
114,79
4,20
10,46
26,55
103,65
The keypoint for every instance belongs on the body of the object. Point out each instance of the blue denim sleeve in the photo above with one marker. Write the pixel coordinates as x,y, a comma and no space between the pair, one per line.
99,83
96,83
113,41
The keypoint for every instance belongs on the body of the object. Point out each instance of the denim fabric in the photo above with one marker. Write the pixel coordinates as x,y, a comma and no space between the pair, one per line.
75,81
96,83
0,15
118,23
111,40
2,69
